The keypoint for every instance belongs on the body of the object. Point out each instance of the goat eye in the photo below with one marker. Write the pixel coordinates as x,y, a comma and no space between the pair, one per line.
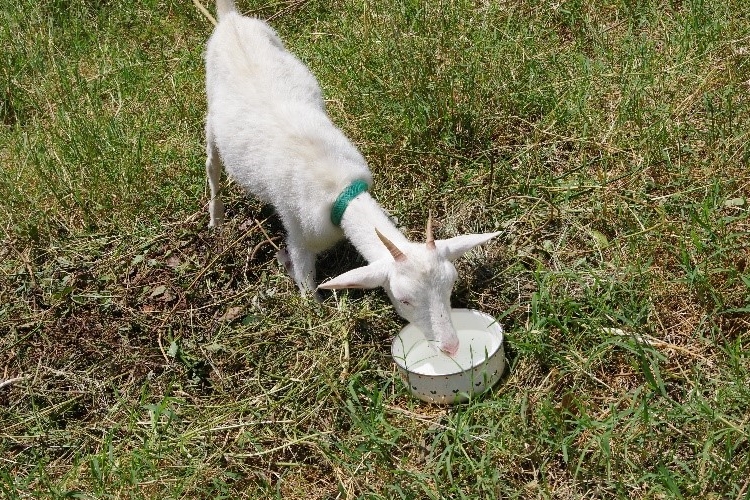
405,302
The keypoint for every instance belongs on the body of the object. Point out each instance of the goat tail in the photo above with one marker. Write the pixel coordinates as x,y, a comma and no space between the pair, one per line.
224,7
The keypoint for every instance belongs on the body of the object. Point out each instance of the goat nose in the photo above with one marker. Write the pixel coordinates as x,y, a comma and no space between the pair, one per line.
450,346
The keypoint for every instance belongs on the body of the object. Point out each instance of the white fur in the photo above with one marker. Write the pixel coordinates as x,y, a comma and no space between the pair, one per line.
267,124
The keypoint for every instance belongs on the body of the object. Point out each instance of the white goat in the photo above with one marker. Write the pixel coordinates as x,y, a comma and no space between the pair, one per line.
267,124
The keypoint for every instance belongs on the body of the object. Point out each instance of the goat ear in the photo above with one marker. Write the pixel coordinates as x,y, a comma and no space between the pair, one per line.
453,248
371,276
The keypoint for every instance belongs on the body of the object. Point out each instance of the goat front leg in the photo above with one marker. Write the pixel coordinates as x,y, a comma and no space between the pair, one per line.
213,172
300,265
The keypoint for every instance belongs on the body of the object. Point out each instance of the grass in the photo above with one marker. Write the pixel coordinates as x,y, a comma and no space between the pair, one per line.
144,356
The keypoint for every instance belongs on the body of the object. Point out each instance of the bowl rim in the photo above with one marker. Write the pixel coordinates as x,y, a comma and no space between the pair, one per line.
490,355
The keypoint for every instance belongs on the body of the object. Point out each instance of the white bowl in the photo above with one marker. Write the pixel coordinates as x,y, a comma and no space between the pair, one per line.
435,377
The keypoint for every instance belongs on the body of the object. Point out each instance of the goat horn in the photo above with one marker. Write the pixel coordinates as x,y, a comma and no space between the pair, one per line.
397,254
430,237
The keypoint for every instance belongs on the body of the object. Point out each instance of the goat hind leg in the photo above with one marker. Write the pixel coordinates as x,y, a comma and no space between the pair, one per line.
213,172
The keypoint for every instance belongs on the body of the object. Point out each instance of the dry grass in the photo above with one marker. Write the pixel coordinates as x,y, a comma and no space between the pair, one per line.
144,356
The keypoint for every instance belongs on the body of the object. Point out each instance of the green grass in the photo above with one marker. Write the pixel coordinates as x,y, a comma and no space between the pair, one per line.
147,357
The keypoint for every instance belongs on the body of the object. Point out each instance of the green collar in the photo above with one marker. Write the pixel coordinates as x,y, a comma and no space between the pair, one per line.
347,195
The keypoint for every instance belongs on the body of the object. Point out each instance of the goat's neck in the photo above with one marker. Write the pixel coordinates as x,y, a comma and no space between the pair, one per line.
361,218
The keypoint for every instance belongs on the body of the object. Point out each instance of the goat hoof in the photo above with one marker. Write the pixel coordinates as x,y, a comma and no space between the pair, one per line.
283,257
